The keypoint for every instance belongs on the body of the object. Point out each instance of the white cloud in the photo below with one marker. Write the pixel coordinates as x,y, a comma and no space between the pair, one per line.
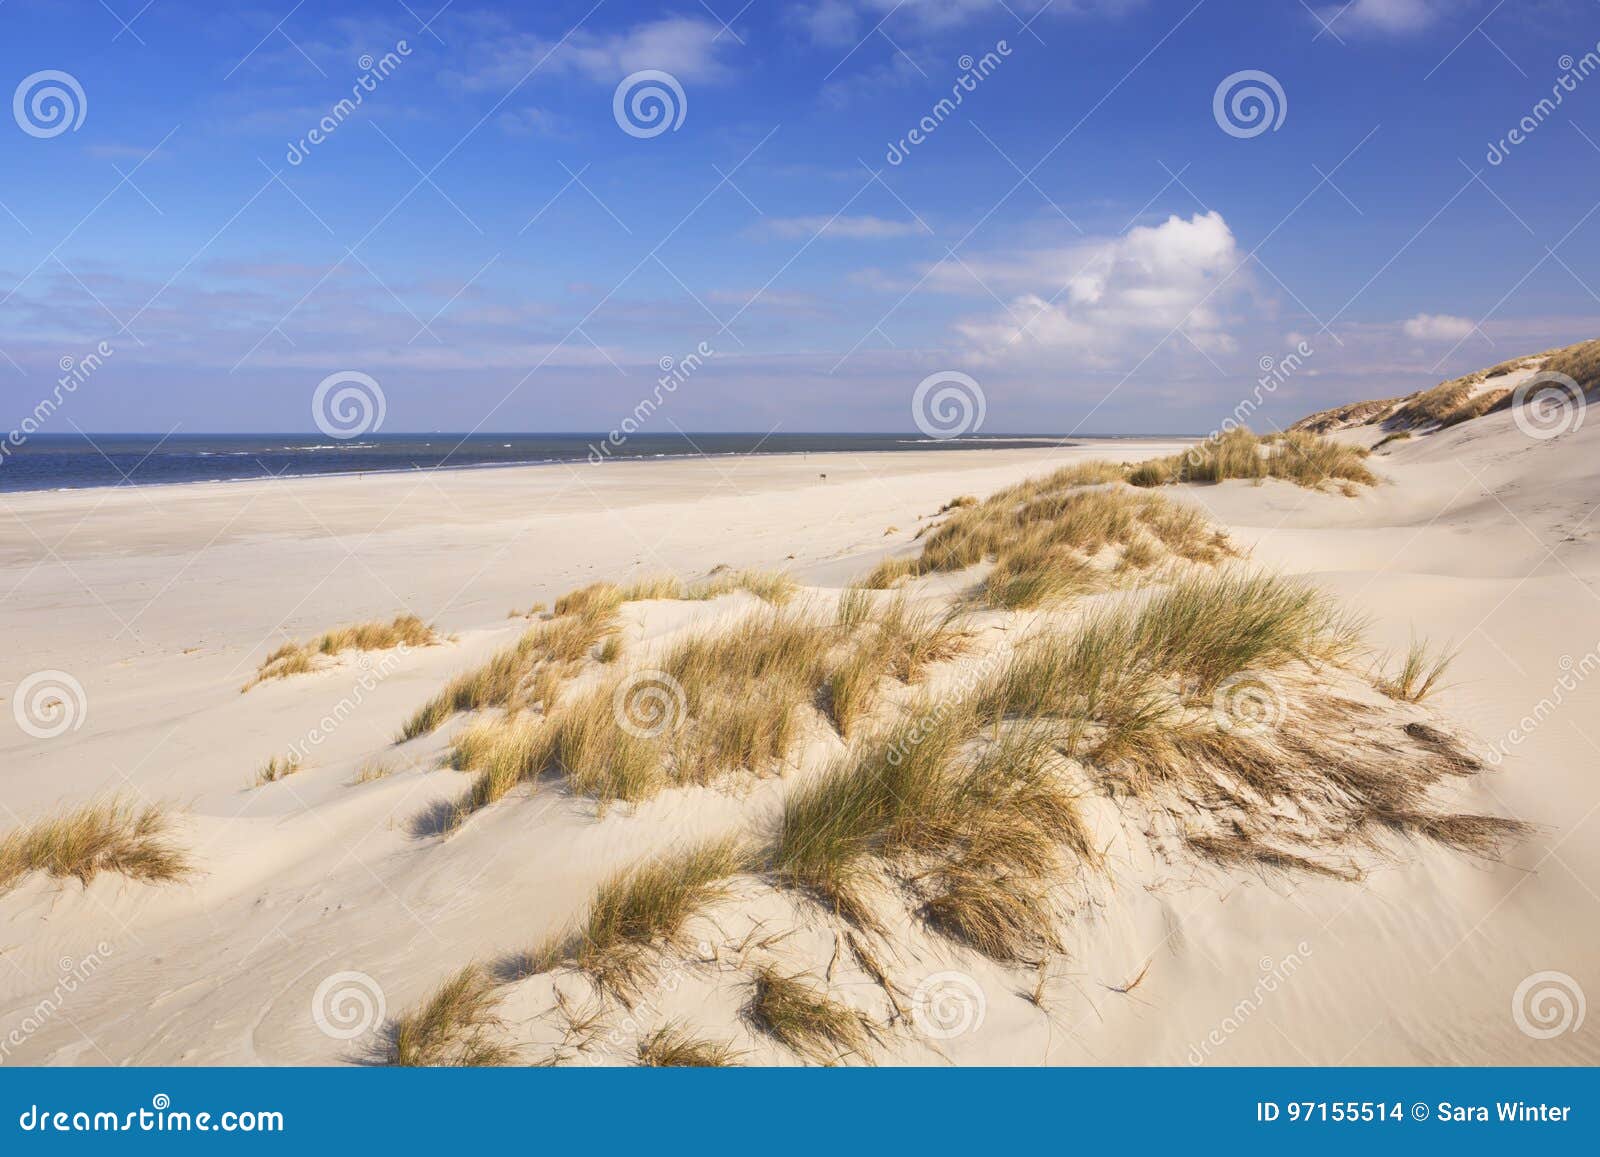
855,228
687,47
1437,327
847,21
1393,17
523,122
1103,298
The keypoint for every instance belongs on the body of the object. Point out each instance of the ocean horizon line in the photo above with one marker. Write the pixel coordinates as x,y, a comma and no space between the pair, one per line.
80,460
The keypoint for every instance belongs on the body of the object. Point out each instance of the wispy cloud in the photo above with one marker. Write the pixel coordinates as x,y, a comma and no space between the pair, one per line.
1437,327
855,228
690,48
843,22
1392,17
528,122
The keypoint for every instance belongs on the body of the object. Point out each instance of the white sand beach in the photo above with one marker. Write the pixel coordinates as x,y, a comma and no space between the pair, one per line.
161,603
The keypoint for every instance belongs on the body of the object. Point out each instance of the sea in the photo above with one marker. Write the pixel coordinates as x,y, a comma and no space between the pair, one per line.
77,461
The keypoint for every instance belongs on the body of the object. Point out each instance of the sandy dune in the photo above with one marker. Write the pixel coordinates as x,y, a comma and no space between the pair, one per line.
161,602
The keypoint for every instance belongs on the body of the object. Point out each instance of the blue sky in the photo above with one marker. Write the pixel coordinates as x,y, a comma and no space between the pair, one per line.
1081,235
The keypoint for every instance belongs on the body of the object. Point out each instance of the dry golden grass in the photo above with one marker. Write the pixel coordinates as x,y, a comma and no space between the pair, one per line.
1478,835
875,802
455,1026
372,770
108,836
495,740
1206,628
1298,456
1475,407
1105,677
1343,417
855,608
675,1045
639,913
1141,697
890,572
979,828
741,686
298,658
581,739
810,1024
1235,849
1418,674
1465,398
727,703
852,687
1036,576
545,955
492,685
1020,831
276,768
768,586
1044,537
655,586
584,742
570,638
531,670
1579,362
1459,399
1093,473
598,601
1431,407
910,637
